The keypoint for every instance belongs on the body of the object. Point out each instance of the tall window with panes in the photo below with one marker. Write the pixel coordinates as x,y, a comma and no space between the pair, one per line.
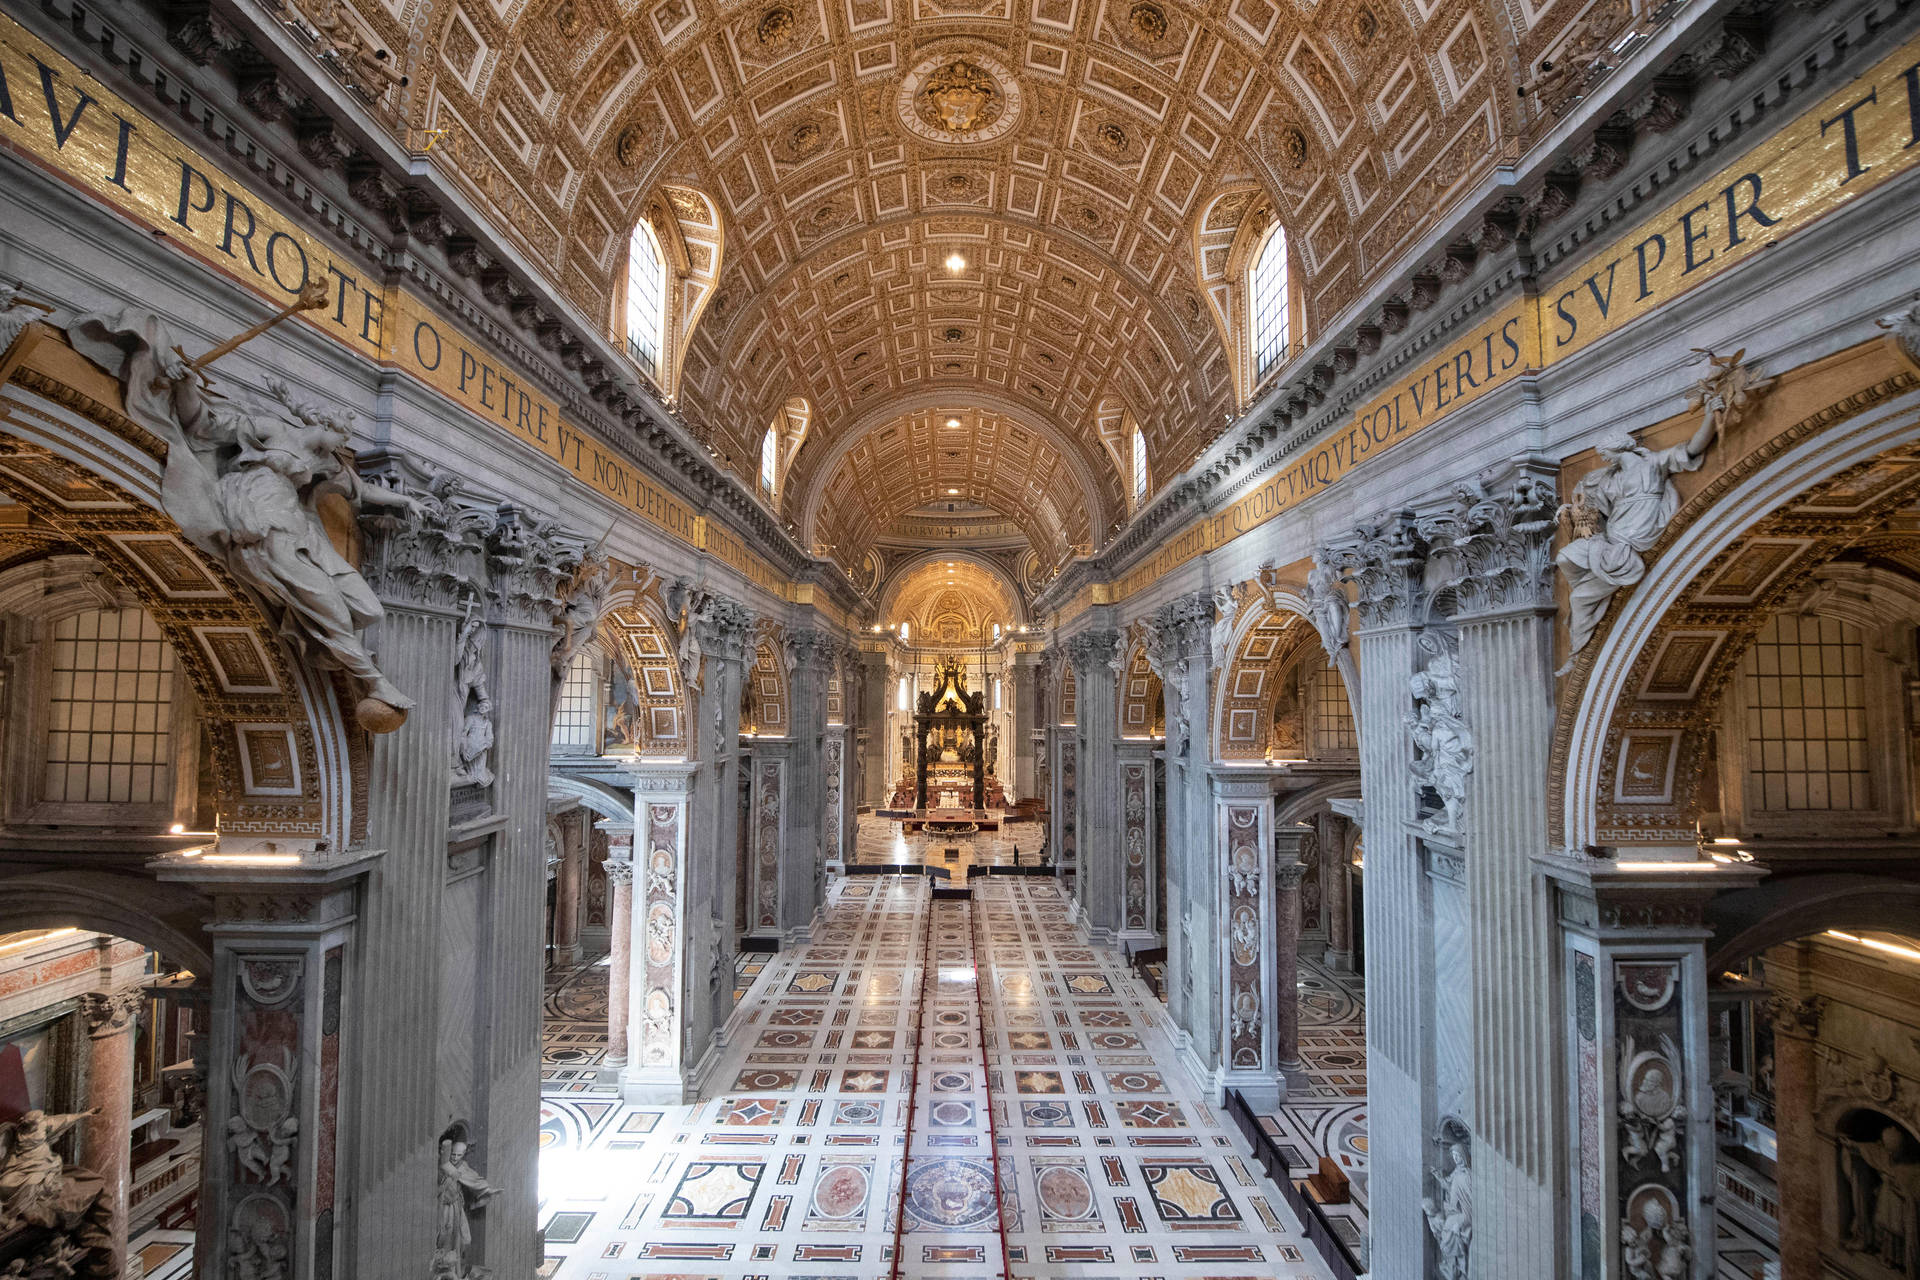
1267,304
646,300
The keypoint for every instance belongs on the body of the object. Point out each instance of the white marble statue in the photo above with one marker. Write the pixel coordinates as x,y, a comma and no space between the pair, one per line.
34,1187
472,709
1450,1213
1884,1185
1327,599
245,487
584,598
1619,511
16,313
462,1193
1443,745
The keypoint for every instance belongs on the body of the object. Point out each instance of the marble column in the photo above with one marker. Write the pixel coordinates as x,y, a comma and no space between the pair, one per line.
876,697
568,893
668,977
1496,550
1640,1129
619,870
1099,889
106,1135
1337,877
1796,1036
1288,871
1384,562
1026,717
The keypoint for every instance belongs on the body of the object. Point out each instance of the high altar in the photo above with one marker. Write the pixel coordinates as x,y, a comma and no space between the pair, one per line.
949,725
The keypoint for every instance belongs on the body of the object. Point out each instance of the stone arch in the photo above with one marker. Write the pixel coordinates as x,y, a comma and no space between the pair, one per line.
603,801
288,765
635,628
1270,634
1630,737
1307,803
169,918
1749,921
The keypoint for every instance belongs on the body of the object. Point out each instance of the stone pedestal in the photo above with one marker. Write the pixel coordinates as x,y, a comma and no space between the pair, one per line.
105,1136
669,976
1796,1032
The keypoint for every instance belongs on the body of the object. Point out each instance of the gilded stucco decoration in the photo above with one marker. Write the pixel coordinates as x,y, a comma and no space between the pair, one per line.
1067,151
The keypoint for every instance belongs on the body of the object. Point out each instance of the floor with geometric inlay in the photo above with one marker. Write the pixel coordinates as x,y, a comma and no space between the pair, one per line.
1111,1164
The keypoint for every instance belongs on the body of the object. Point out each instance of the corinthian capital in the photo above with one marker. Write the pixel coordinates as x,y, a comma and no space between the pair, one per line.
1793,1016
1385,560
1091,650
1495,550
524,565
431,554
109,1013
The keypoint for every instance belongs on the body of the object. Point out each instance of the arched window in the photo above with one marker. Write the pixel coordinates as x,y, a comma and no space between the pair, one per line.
769,462
646,299
1139,467
905,629
111,736
1267,303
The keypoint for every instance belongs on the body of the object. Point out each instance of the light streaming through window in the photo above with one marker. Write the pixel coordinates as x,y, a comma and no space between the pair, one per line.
646,300
769,461
1139,465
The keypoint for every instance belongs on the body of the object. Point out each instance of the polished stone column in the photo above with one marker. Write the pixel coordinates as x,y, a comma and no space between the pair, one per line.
876,698
619,869
1796,1037
803,818
1336,876
1026,718
569,884
667,978
1100,887
106,1135
1288,871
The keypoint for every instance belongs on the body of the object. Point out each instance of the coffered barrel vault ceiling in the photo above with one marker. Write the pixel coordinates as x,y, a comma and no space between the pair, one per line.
1076,152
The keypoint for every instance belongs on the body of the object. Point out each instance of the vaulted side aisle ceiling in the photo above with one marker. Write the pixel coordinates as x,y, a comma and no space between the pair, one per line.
1096,162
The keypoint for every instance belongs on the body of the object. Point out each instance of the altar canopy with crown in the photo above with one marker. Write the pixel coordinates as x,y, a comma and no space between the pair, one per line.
950,766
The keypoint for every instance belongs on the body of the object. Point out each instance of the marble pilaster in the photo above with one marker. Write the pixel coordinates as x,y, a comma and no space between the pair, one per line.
772,873
1099,889
1337,878
666,980
1178,651
1640,1133
569,888
1385,562
1251,1016
1288,870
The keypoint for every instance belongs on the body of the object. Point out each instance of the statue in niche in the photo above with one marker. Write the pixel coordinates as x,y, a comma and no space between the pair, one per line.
1442,745
246,487
462,1193
1880,1190
1619,511
623,711
993,747
1286,735
472,707
1449,1209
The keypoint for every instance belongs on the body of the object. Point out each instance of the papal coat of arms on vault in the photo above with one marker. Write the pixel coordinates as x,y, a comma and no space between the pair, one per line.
960,97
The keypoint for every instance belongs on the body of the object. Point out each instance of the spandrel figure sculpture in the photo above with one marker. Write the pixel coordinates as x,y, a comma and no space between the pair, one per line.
245,487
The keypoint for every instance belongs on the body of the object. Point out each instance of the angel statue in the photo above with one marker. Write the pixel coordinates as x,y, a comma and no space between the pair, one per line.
246,486
34,1187
1618,512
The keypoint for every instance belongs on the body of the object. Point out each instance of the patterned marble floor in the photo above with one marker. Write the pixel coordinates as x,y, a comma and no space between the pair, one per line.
1326,1109
793,1166
573,1030
882,841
